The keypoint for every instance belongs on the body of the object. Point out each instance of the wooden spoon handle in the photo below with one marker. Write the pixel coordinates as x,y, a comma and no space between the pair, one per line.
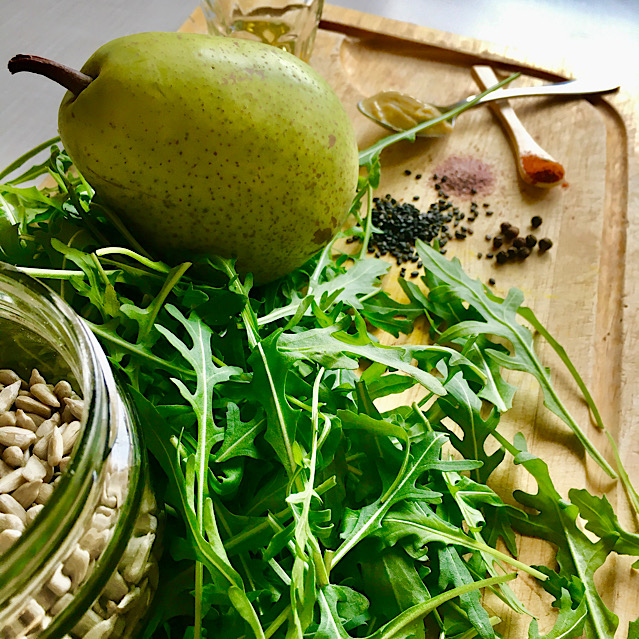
535,165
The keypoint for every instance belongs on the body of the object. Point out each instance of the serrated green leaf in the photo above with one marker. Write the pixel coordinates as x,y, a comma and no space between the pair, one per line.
569,624
499,317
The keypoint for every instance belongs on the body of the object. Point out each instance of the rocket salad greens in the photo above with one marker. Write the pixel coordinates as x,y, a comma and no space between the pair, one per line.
295,506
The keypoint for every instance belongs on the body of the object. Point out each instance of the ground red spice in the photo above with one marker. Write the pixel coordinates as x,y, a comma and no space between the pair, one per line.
542,171
466,176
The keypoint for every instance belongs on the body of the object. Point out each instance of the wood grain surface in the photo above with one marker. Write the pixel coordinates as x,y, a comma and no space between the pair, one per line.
584,290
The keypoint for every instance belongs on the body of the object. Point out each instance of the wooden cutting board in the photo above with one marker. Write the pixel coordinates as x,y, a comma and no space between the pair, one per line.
583,289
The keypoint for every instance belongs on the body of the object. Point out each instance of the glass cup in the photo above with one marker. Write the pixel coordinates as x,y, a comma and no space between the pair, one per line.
288,24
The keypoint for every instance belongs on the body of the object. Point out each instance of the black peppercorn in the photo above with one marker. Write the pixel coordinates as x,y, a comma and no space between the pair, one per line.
511,233
498,240
523,252
531,241
535,221
501,257
544,244
519,242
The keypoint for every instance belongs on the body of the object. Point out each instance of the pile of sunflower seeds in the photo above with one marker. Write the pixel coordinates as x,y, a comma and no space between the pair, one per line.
39,424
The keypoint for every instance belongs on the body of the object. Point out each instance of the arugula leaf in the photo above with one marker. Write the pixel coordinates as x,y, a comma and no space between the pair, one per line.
453,571
239,437
569,624
498,317
359,524
556,521
270,372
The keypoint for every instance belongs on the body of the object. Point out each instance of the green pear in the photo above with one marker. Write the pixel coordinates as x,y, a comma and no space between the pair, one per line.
212,145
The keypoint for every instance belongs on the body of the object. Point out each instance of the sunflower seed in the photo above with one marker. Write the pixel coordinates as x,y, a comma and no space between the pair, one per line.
34,469
8,377
41,447
14,456
43,393
70,434
25,421
9,506
30,404
76,406
11,522
8,538
47,426
45,491
11,481
5,469
56,447
33,512
36,378
76,565
59,584
28,492
8,396
8,418
62,390
16,436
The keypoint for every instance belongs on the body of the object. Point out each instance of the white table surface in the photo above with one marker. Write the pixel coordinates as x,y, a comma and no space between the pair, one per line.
604,33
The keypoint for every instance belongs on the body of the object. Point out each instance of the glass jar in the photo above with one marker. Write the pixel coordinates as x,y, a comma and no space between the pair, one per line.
87,565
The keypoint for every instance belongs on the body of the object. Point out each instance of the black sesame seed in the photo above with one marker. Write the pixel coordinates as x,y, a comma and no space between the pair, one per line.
491,281
414,273
407,172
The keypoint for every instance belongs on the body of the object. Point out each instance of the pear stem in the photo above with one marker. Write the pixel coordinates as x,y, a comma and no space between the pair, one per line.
74,81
